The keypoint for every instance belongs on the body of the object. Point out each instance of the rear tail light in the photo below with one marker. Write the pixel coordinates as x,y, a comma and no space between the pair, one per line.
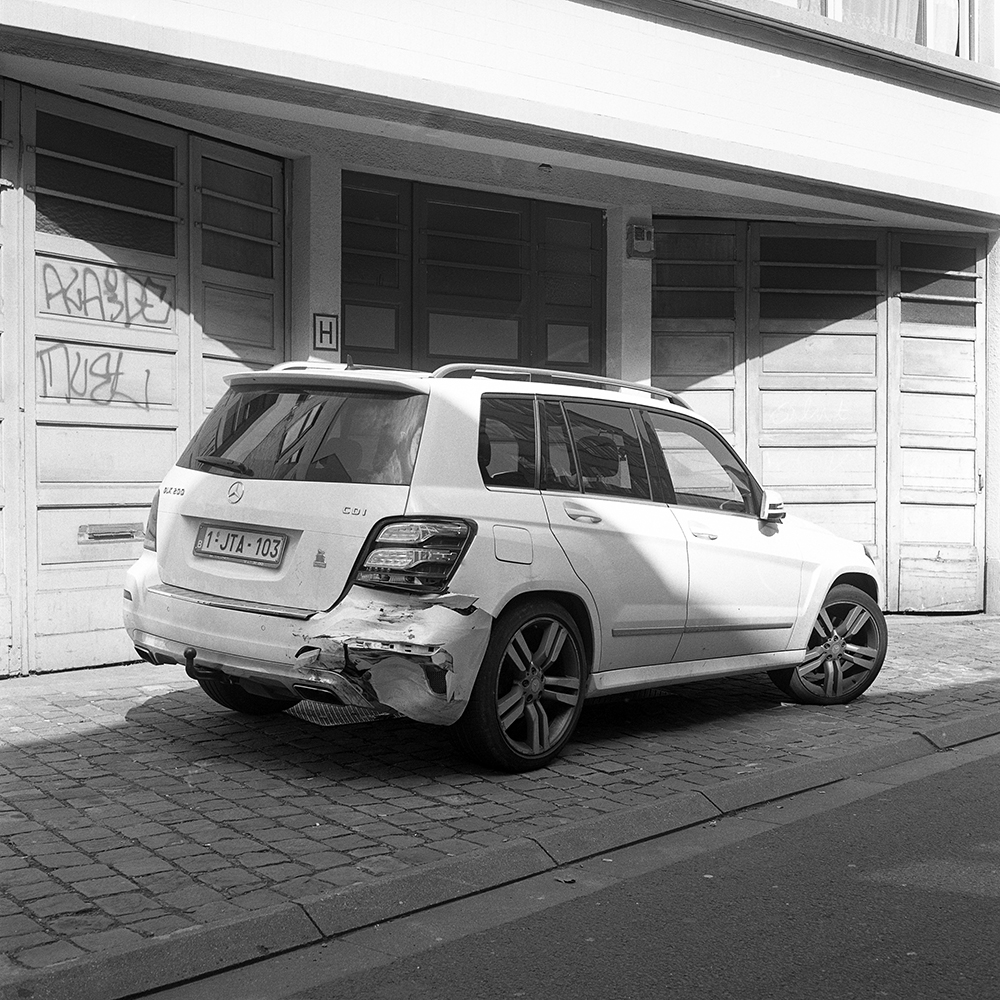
416,555
150,540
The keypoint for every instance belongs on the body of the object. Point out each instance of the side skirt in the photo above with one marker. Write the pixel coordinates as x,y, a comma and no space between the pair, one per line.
662,674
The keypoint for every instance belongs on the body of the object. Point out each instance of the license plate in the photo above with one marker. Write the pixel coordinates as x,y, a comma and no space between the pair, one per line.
259,548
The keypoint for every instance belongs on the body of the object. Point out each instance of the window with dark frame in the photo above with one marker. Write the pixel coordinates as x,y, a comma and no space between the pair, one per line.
435,274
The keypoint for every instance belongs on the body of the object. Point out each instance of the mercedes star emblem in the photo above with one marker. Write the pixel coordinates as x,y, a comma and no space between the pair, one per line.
235,493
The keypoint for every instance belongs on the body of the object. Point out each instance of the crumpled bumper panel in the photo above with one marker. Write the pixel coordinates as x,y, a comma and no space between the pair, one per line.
418,656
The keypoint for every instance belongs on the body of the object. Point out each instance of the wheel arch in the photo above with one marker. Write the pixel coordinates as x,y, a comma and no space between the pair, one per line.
573,605
865,583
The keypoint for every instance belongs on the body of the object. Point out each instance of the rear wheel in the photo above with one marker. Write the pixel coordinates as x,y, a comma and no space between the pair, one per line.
233,696
845,653
529,693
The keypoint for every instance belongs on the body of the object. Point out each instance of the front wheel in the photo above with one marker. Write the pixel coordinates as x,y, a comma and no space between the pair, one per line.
845,651
529,693
233,696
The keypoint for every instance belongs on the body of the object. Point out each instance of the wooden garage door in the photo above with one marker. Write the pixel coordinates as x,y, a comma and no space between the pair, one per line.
847,365
816,395
105,264
937,416
153,264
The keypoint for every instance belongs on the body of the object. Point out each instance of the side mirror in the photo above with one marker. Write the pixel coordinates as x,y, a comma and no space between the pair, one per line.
772,507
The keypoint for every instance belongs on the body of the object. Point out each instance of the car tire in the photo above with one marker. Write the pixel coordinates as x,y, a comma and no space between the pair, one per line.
529,693
231,695
845,652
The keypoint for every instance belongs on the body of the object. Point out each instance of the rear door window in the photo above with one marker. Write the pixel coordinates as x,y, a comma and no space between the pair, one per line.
608,450
311,434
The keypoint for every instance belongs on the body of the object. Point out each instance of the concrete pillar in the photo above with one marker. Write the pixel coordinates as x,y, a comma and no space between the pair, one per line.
630,305
315,257
991,458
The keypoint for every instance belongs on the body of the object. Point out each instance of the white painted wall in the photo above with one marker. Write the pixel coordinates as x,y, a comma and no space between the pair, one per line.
566,66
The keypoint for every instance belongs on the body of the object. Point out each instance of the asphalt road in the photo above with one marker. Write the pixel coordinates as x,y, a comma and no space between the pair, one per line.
895,894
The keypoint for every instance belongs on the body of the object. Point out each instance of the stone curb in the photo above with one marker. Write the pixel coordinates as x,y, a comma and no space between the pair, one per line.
201,951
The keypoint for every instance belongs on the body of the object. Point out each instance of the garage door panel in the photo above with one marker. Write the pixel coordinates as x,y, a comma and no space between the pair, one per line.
242,317
63,650
936,416
937,359
106,376
818,354
946,579
76,535
819,467
830,411
684,354
849,520
937,471
85,454
929,524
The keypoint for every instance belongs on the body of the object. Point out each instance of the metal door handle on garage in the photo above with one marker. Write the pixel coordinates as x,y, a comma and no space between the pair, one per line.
580,513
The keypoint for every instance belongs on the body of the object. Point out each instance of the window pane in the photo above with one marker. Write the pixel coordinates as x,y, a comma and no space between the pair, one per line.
828,307
558,464
695,246
608,450
102,185
238,218
693,305
318,435
471,283
894,18
937,257
940,313
227,178
116,149
507,441
567,345
370,326
374,272
702,470
97,224
234,254
480,337
819,250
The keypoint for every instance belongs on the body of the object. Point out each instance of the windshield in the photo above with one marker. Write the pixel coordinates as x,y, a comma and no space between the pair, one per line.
312,434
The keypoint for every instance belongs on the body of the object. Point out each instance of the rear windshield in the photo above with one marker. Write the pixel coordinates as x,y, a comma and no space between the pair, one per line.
312,434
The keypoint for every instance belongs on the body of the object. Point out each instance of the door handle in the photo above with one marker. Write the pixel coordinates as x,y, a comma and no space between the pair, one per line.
705,534
578,513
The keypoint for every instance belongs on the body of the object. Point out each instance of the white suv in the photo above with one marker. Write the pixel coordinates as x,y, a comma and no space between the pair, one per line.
484,548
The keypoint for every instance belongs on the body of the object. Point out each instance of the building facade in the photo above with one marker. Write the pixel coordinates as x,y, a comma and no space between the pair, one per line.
786,211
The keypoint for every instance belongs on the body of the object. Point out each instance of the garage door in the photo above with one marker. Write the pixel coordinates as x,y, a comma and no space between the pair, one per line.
845,365
153,262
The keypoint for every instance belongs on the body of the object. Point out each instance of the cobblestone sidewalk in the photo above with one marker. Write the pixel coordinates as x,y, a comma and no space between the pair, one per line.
133,808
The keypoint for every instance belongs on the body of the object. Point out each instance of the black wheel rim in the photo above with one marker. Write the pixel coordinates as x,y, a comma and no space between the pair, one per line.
538,687
843,651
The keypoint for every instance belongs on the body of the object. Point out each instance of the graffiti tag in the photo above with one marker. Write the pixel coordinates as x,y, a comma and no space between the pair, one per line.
79,373
89,291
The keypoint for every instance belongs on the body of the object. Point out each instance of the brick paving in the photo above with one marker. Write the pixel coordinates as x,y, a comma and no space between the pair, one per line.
132,807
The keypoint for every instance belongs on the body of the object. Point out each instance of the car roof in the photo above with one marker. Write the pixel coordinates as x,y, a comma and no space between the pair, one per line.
509,378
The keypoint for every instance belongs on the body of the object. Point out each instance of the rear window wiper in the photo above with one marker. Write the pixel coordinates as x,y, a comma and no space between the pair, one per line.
230,464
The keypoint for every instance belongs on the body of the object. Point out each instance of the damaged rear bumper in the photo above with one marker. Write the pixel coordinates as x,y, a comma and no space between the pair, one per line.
416,656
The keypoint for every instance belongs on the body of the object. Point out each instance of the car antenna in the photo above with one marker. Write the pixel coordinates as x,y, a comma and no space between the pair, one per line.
350,363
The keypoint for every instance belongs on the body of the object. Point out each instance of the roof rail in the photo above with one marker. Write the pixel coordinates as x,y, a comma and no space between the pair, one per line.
467,370
348,366
304,366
